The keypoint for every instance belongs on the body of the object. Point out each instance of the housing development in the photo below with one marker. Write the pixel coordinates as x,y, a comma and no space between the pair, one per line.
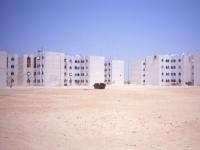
47,68
57,69
179,69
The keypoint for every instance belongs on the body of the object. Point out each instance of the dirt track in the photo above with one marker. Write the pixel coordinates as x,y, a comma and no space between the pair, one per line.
141,118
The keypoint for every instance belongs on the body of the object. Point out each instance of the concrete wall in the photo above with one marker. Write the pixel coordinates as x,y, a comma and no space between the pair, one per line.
135,72
187,70
3,68
96,69
196,67
117,72
152,70
53,73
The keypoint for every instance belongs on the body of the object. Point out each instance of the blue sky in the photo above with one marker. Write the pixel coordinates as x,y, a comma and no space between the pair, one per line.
123,29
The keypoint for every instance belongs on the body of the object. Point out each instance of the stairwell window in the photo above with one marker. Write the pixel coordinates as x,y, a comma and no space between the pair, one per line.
28,62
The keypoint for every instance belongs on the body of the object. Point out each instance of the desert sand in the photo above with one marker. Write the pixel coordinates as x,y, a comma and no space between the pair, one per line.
117,118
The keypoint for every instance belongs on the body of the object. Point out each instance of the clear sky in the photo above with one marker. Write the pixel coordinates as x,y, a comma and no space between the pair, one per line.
125,29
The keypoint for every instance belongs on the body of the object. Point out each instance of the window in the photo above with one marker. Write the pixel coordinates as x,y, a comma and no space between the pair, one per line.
12,80
65,73
167,60
38,81
162,80
34,62
173,60
105,64
179,60
162,73
12,66
179,80
162,60
12,58
76,67
34,73
65,66
7,62
28,62
70,67
179,74
86,61
12,73
65,60
70,61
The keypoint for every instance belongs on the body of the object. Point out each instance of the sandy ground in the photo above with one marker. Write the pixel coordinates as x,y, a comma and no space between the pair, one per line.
139,118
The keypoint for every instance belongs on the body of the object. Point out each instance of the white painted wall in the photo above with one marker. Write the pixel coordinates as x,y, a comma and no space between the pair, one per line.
135,72
53,69
96,69
196,64
117,72
3,68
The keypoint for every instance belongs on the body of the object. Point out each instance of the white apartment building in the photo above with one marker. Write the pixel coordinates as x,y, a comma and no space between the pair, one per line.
55,69
114,72
166,70
83,70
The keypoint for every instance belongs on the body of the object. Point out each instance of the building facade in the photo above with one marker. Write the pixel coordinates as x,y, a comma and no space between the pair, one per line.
166,70
114,72
3,68
56,69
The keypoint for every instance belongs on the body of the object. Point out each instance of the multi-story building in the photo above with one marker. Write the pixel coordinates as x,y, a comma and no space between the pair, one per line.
114,72
83,70
166,70
55,69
